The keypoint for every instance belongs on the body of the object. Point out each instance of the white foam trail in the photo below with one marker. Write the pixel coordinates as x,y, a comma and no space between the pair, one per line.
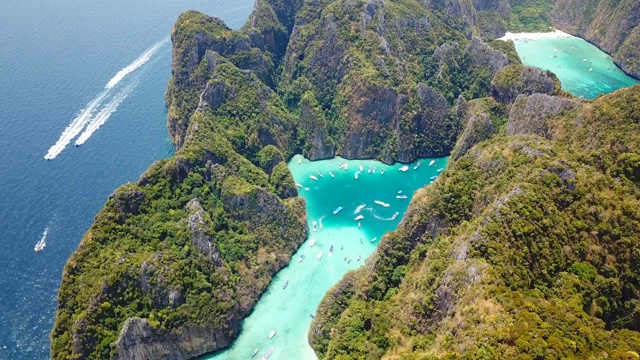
141,60
76,125
103,115
42,243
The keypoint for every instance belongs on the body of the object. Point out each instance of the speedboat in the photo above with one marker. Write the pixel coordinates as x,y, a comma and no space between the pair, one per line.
312,242
359,217
299,160
381,203
401,196
404,168
356,174
385,204
382,172
330,164
320,174
255,352
319,255
272,334
439,170
313,177
358,224
434,176
395,215
373,170
369,170
374,239
337,210
266,356
432,162
361,168
299,185
360,207
39,246
315,225
331,174
284,287
399,191
346,166
301,258
416,166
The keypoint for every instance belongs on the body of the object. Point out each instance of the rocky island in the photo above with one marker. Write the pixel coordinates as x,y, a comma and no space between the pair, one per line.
524,248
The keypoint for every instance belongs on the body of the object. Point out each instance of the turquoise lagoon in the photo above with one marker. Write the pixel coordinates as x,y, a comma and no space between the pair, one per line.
583,69
288,311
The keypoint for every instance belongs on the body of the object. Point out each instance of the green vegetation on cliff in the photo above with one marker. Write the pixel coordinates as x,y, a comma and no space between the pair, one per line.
525,248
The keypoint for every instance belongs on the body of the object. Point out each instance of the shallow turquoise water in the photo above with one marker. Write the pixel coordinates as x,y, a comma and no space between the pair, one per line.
288,310
571,59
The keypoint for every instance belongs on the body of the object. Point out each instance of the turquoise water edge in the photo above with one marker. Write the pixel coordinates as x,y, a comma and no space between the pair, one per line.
583,69
288,310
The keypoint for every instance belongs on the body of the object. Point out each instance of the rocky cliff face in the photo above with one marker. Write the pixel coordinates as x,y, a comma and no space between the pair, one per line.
139,340
613,26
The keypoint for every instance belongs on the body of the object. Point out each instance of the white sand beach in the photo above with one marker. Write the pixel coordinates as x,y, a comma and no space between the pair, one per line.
534,36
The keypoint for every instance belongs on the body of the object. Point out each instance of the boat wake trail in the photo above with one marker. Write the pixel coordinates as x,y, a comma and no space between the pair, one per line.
96,112
141,60
75,127
42,243
101,117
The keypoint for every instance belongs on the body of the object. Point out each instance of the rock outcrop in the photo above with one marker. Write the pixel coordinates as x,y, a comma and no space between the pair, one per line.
139,340
516,80
529,114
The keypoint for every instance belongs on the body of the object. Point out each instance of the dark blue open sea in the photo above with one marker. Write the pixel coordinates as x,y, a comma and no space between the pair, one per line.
89,71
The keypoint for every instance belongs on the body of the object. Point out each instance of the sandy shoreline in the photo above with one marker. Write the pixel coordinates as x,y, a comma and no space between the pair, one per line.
534,36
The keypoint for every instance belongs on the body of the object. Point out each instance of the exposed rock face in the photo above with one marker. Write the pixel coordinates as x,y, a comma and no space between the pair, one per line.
613,26
529,114
482,55
478,126
199,222
139,340
514,80
466,16
314,131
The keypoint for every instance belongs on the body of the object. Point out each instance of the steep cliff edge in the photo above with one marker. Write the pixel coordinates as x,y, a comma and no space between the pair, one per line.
523,248
613,26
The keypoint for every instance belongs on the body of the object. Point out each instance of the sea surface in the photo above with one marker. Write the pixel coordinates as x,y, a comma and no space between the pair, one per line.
289,310
92,72
583,69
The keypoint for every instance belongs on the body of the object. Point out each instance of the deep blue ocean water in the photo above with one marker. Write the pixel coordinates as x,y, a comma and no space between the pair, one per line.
56,57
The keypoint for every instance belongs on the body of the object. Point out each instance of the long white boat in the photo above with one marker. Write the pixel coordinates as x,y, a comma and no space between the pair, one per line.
272,334
319,255
313,177
359,217
401,196
432,162
331,174
266,356
356,174
361,168
360,207
404,168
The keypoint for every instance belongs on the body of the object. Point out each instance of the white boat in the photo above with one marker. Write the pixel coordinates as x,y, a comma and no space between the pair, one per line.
284,287
315,225
373,170
590,69
299,160
340,165
331,251
359,217
361,168
358,224
319,255
320,174
433,177
399,191
312,242
439,170
374,239
313,177
584,60
331,174
337,210
330,164
404,168
356,174
382,172
416,166
346,166
266,356
381,203
395,215
301,258
272,334
255,352
401,196
432,162
299,185
369,170
39,246
359,208
385,205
